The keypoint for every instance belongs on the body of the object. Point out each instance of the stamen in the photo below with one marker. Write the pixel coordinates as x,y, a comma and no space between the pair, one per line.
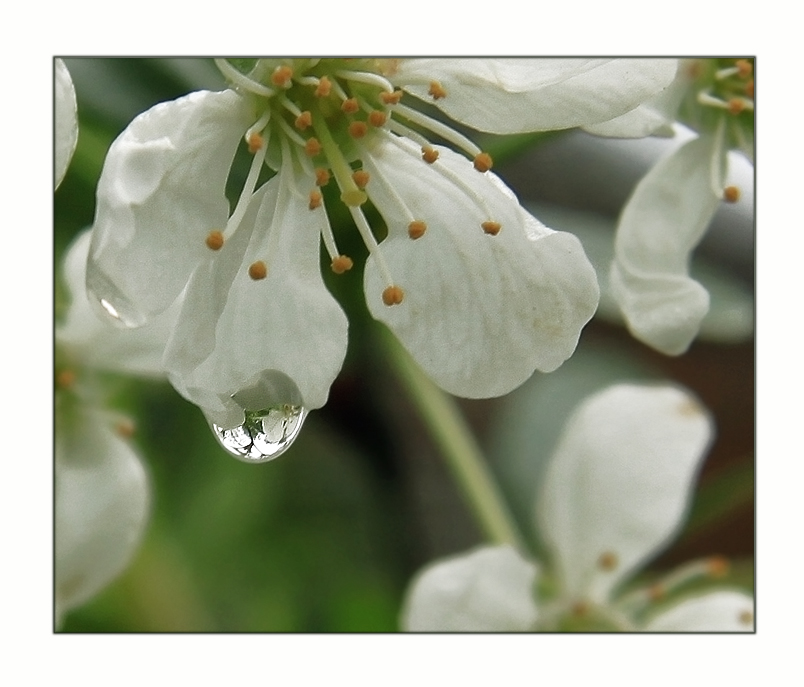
282,76
744,68
255,142
315,199
731,194
717,567
371,243
483,162
746,618
240,79
429,154
401,208
607,561
321,176
358,129
258,270
749,89
366,77
440,129
402,130
416,229
393,295
125,429
361,178
391,98
725,73
736,105
312,147
350,106
304,120
258,126
248,189
291,132
436,90
491,228
65,379
215,240
323,88
377,118
351,195
341,264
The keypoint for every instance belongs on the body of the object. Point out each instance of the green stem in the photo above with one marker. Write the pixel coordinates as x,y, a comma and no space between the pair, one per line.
452,434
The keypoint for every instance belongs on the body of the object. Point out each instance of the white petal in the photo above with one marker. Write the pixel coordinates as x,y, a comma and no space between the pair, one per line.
102,502
662,222
619,483
95,343
282,337
506,96
66,119
160,193
480,312
721,611
488,590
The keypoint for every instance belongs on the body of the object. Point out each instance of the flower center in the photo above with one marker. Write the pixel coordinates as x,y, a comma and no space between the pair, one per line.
323,116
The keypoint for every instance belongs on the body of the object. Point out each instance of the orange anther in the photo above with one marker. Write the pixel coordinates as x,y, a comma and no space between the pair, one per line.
258,270
321,176
717,566
391,98
607,560
492,228
483,162
358,129
65,379
214,240
282,76
744,68
731,194
312,147
323,88
361,178
341,264
125,429
393,295
656,592
749,88
255,143
746,617
377,118
315,199
350,106
304,120
736,105
416,229
429,155
436,90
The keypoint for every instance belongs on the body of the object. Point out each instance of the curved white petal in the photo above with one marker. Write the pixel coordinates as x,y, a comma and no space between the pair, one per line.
480,312
721,611
618,485
281,339
96,343
506,96
101,505
488,590
66,120
160,193
661,224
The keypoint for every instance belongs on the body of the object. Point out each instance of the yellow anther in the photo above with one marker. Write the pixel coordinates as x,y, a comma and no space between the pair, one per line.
607,561
258,270
341,264
315,199
65,379
125,429
483,162
731,194
393,295
744,68
358,129
492,228
736,105
321,176
416,229
361,178
304,120
255,142
214,240
429,154
746,617
377,118
324,87
436,90
282,76
312,147
749,88
717,567
350,106
391,98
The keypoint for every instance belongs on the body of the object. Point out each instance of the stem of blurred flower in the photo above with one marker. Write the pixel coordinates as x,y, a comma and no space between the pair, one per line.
457,443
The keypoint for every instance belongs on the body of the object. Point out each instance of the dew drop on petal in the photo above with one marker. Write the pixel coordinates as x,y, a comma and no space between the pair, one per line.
264,435
111,305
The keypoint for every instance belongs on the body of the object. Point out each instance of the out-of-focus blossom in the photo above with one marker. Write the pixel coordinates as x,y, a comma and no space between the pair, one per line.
615,494
66,120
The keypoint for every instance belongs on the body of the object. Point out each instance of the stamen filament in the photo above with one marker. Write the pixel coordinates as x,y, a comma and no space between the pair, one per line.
403,130
248,189
259,125
292,134
439,128
351,195
367,78
371,243
240,79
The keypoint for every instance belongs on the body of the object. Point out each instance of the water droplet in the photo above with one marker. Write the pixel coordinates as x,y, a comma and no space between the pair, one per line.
264,435
110,303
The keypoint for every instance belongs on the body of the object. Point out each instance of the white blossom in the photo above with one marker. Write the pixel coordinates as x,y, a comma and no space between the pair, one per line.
66,120
615,494
478,290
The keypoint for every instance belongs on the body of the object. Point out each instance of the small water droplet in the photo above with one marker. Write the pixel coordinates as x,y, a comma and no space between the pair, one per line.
264,435
110,302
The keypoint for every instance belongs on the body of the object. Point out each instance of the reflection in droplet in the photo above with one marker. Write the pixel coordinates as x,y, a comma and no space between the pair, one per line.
264,435
110,303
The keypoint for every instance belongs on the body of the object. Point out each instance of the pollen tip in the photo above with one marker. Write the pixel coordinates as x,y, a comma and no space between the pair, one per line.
607,561
491,228
416,229
350,106
321,176
744,68
65,379
125,429
436,90
361,178
255,142
215,240
258,270
731,194
746,618
315,199
304,120
393,295
736,105
312,147
391,98
483,162
749,88
358,129
429,155
324,87
341,264
579,609
656,592
377,118
717,566
282,76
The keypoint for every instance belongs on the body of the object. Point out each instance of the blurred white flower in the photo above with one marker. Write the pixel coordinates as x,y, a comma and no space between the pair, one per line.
615,494
66,120
672,206
258,327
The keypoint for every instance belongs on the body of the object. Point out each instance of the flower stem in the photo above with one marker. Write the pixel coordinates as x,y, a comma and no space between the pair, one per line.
464,458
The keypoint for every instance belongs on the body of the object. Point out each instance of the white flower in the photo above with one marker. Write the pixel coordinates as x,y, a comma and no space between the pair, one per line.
102,492
672,206
615,493
66,120
479,291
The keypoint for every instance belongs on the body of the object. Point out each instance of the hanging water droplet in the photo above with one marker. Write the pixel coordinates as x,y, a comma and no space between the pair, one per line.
264,435
108,300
